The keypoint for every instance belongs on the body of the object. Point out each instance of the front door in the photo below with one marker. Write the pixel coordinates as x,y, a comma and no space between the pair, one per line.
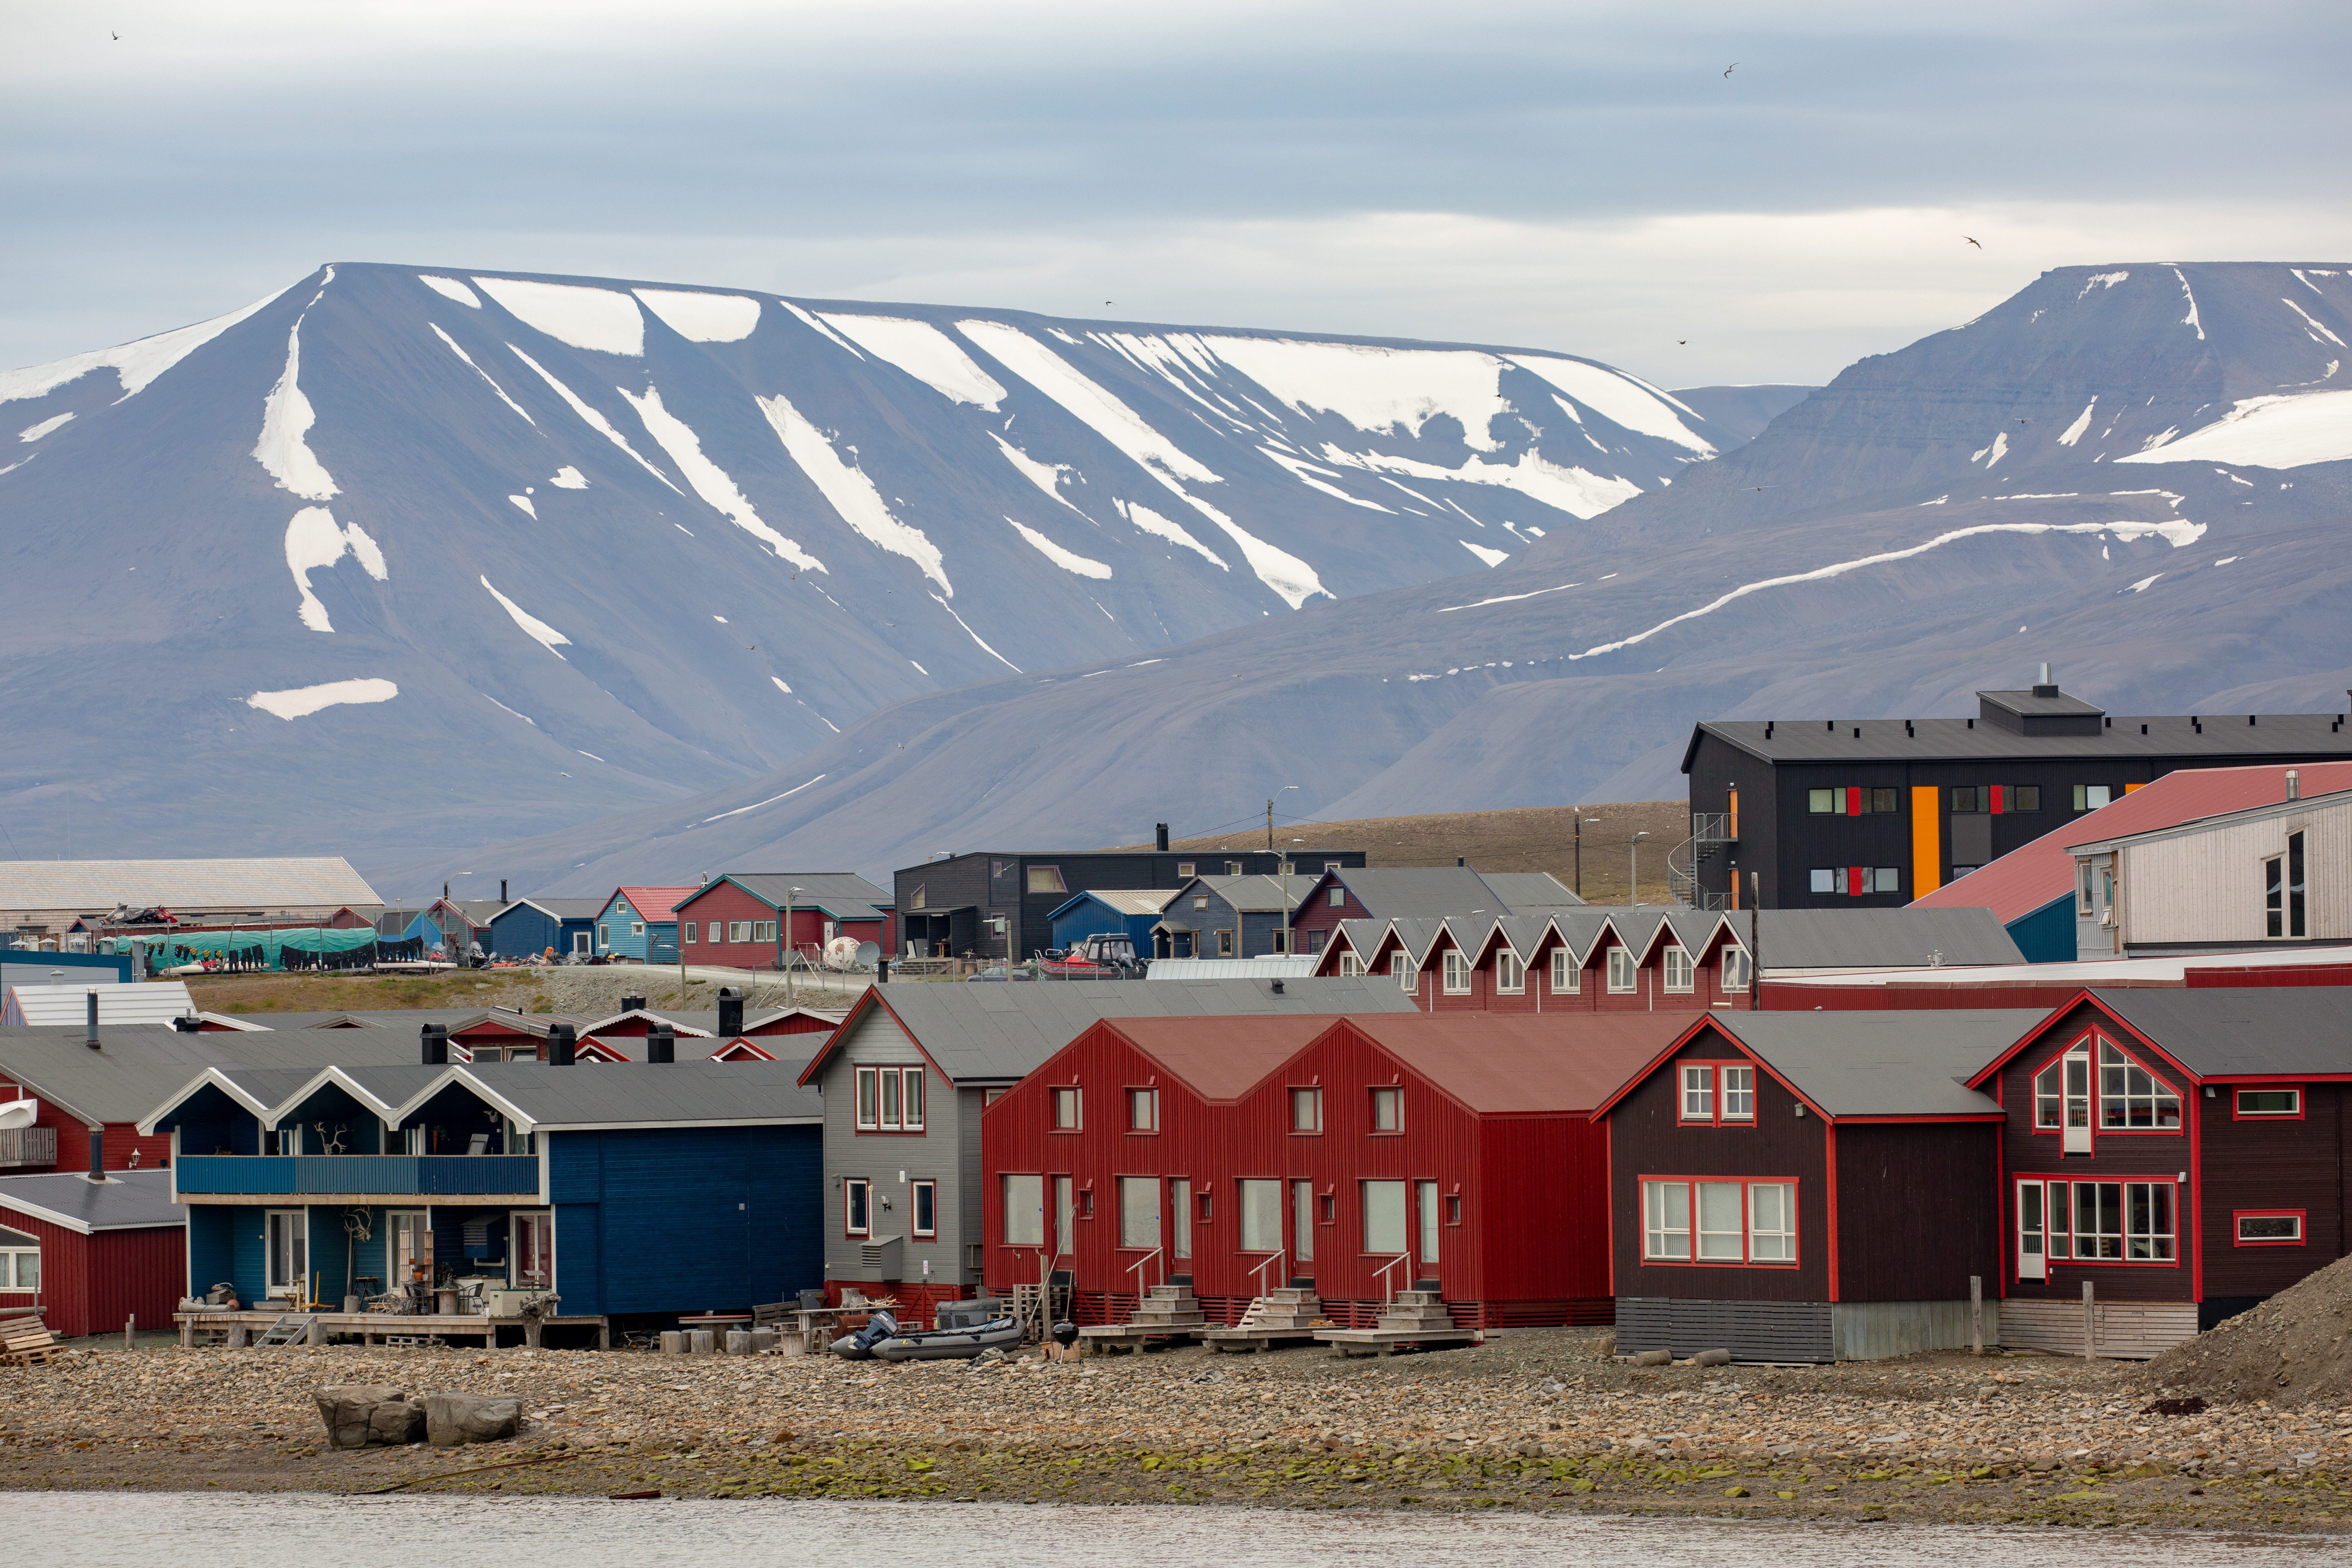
2033,1238
289,1248
2075,1068
1425,1214
530,1244
409,1235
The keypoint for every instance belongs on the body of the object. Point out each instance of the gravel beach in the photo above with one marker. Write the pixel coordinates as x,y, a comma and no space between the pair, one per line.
1533,1419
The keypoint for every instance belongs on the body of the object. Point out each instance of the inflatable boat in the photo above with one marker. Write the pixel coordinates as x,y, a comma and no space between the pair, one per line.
951,1344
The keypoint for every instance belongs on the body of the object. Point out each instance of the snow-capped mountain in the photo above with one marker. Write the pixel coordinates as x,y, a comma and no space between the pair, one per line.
2141,472
421,556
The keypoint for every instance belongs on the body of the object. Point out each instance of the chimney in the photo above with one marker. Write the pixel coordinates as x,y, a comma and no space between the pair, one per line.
434,1039
633,1004
661,1044
2294,785
731,1013
1163,833
90,1027
1278,988
445,890
1461,861
2045,687
502,889
97,1155
188,1024
559,1046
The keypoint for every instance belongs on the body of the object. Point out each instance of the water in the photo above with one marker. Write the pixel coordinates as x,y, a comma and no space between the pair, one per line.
148,1530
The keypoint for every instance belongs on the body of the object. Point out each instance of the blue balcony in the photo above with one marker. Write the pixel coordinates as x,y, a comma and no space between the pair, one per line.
359,1175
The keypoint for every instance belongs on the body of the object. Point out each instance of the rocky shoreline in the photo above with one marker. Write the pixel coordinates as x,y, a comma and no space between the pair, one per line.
1529,1421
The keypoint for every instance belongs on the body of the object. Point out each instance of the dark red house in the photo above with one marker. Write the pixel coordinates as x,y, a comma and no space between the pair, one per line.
1358,1156
1664,959
89,1254
738,920
2183,1152
1808,1187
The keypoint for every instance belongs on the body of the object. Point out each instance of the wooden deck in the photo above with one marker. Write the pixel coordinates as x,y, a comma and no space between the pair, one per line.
1385,1342
241,1328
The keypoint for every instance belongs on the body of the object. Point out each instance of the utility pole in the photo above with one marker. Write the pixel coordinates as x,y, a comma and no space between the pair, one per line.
1755,942
788,946
1580,820
1632,868
1285,867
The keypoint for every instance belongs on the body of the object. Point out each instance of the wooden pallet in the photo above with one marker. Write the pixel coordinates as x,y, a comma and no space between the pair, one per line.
26,1341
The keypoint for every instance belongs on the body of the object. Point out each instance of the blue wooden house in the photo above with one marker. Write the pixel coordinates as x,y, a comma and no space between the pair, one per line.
633,1191
641,924
529,926
1227,916
1097,911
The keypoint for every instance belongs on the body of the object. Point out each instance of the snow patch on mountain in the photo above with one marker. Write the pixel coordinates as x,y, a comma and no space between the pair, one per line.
851,493
598,318
524,502
710,482
1305,472
1151,522
1491,557
701,318
313,543
2281,431
1615,397
594,420
568,477
1992,452
974,635
2190,295
286,419
135,364
1375,389
1047,476
820,328
35,432
2100,280
923,351
2074,433
477,370
1100,411
449,288
2312,325
1574,490
1067,559
539,631
303,700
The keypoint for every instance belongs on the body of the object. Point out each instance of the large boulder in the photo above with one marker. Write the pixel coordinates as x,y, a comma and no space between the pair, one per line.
454,1418
360,1414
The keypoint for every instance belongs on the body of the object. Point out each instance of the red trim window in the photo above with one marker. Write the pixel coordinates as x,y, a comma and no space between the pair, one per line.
2108,1222
2267,1227
1388,1109
1069,1108
856,1206
2121,1096
2266,1104
1727,1221
1143,1110
1715,1093
923,1197
889,1099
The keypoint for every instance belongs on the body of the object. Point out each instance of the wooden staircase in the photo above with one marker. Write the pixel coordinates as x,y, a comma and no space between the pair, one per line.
1287,1316
1416,1317
1166,1312
291,1329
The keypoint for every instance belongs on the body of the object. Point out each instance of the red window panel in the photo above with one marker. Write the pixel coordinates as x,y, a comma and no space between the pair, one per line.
1854,803
1857,880
1998,793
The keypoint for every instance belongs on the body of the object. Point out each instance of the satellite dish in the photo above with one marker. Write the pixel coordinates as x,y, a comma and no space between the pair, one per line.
868,954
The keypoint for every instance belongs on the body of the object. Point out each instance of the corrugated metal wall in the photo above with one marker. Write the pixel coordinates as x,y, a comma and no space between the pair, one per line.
2208,885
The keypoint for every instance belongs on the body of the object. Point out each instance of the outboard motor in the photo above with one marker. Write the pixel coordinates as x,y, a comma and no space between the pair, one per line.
860,1345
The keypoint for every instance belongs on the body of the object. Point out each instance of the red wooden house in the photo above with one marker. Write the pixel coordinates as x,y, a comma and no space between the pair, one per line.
89,1254
738,920
1808,1187
1357,1156
2182,1152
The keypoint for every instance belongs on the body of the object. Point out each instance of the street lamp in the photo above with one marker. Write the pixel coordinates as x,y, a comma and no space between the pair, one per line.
787,945
1580,820
1632,868
1286,864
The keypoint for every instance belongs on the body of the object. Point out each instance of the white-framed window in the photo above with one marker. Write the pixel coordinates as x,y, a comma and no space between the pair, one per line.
1665,1222
1225,941
739,931
20,1265
1199,901
1138,1212
1738,1093
923,1199
2270,1227
1698,1091
531,1248
1510,975
1232,868
1388,1109
1302,1221
889,1099
408,1243
2090,797
1261,1207
1735,1221
1350,965
1771,1222
2097,1222
604,934
1620,969
1458,973
1143,1110
1068,1109
1338,897
1025,1211
686,933
1722,1225
1679,970
1281,939
1738,969
1184,867
1180,1215
287,1250
764,930
2269,1102
1400,967
857,1207
1383,1217
1567,974
2132,1097
1306,1110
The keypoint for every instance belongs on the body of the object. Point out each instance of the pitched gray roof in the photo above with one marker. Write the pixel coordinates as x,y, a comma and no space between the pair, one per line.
563,909
1423,891
627,1094
138,1067
178,885
841,894
1878,939
126,1200
1932,740
1530,892
1258,894
406,1019
1908,1063
2222,1032
981,1033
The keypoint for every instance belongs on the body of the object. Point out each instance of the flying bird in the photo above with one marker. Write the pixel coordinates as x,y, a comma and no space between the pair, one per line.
1972,242
1682,342
1729,68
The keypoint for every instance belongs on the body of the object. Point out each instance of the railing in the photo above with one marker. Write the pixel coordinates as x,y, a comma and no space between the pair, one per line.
1260,1270
1387,1286
393,1176
1149,1257
1710,831
28,1146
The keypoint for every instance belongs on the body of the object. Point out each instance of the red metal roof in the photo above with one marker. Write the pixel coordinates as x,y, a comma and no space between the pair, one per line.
1222,1057
656,904
2024,879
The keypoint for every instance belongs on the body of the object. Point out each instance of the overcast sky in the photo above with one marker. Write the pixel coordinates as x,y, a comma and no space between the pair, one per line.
1569,175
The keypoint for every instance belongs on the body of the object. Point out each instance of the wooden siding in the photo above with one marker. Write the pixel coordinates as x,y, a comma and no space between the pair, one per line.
2207,886
1918,1210
2116,1156
941,1152
728,902
2274,1164
1751,1331
90,1284
1646,1138
2130,1330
